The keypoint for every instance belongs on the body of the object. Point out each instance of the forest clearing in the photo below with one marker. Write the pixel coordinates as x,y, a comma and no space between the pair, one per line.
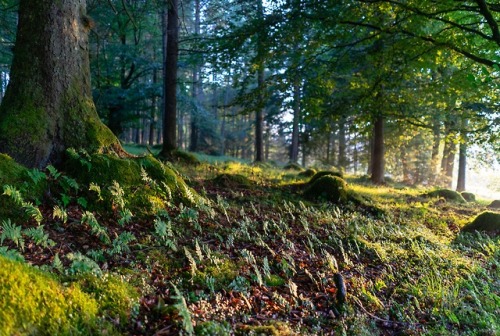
242,167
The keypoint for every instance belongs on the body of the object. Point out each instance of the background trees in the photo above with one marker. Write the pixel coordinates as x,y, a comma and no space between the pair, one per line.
373,87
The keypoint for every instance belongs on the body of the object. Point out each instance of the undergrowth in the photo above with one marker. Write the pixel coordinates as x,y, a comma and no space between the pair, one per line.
241,260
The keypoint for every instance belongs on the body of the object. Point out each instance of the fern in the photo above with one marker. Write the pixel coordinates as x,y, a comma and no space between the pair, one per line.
117,193
121,243
60,213
36,176
53,172
68,183
96,229
12,232
183,310
125,217
57,264
33,212
13,193
11,254
82,156
81,264
163,231
97,189
192,262
39,236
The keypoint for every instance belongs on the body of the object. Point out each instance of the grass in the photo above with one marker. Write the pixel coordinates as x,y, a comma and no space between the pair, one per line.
263,260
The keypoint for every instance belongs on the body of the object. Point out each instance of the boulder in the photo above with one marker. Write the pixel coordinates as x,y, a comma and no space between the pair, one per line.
487,222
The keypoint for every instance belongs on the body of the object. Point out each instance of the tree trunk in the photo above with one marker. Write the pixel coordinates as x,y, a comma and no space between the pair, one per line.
436,132
377,159
196,89
462,159
294,152
48,105
342,162
259,113
170,79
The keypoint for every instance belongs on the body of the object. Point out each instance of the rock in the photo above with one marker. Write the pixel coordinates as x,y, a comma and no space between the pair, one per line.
293,166
487,221
447,194
494,205
307,173
325,173
469,197
330,188
232,181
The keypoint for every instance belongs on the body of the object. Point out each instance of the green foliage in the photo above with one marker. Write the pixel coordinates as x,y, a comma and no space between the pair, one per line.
12,232
183,310
214,328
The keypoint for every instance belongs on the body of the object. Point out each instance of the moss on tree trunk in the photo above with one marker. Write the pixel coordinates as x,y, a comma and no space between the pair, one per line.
48,105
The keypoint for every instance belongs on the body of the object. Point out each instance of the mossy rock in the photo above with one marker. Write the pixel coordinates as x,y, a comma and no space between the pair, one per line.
487,221
213,328
447,194
329,187
148,184
185,157
307,173
468,196
232,181
10,171
293,166
494,205
322,173
273,328
35,303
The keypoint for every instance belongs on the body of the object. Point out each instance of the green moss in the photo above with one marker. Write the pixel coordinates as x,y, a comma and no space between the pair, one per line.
272,329
293,166
10,171
223,273
447,194
469,197
322,173
212,328
116,297
232,181
487,221
147,182
274,280
308,173
34,303
330,188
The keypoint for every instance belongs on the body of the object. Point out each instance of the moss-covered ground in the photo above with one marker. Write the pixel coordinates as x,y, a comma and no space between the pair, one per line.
256,259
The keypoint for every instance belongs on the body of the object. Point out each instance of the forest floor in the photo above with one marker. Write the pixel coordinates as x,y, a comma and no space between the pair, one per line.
260,259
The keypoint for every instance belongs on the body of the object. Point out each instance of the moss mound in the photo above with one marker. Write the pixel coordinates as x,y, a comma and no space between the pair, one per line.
10,171
447,194
329,187
147,183
232,181
34,303
469,197
307,173
293,166
322,173
494,205
487,221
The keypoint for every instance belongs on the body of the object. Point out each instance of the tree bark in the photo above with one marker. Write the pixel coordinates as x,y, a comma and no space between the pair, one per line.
342,161
196,89
259,113
378,164
48,105
294,152
170,79
462,159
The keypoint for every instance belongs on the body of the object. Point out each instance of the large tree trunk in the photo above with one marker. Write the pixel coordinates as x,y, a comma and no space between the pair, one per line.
48,105
462,158
170,79
378,164
342,163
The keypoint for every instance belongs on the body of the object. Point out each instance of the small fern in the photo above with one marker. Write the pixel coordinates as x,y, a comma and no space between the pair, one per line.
33,212
13,232
121,243
117,194
183,310
125,217
97,189
53,172
81,264
60,213
13,193
96,229
36,176
57,264
39,236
